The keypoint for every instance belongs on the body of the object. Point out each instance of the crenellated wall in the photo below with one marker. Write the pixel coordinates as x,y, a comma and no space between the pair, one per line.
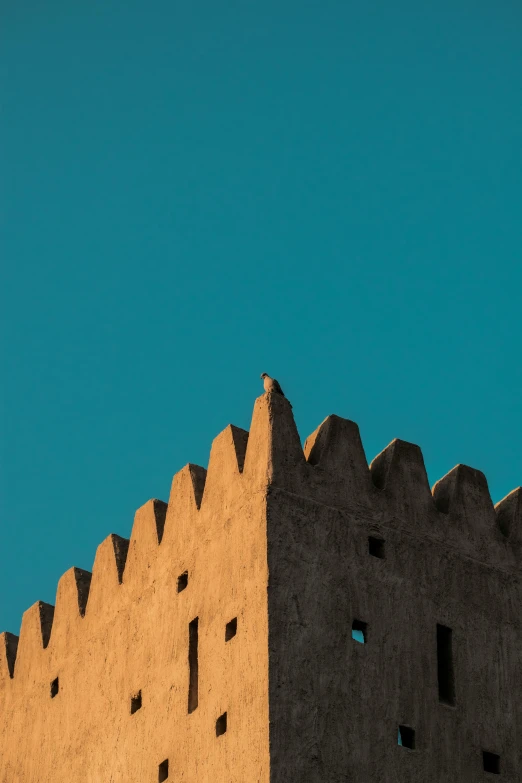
446,558
125,629
277,537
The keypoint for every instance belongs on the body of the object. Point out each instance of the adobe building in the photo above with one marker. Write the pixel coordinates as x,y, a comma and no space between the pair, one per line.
287,617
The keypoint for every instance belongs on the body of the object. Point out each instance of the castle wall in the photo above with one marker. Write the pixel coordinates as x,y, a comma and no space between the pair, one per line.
134,636
277,537
336,704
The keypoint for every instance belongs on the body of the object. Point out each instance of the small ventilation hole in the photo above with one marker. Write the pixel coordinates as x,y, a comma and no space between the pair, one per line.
231,629
376,547
406,737
359,631
55,687
182,581
135,702
221,725
491,762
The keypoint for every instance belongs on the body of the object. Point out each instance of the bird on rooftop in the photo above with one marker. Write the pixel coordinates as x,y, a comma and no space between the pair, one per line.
271,385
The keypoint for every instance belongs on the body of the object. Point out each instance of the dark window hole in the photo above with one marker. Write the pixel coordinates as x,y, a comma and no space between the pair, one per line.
163,771
55,687
221,725
135,702
193,665
231,629
376,547
406,737
359,631
182,581
446,676
491,762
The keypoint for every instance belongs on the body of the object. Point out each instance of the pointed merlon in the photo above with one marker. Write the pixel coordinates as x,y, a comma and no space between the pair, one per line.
72,593
227,454
463,495
399,471
71,601
336,448
187,489
35,633
149,522
274,453
107,575
336,443
146,536
8,649
37,623
186,493
227,457
509,516
463,489
109,562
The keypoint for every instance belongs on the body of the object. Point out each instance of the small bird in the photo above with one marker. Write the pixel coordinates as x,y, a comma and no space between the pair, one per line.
271,385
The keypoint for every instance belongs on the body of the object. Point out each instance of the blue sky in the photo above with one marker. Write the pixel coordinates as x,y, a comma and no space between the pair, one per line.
195,193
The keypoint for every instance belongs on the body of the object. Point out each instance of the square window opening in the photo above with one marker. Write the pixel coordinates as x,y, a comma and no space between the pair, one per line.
231,629
182,581
55,687
221,725
359,631
135,702
376,547
406,737
491,762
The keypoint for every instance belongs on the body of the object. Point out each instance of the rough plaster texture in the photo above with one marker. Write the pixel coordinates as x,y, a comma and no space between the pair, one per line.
278,538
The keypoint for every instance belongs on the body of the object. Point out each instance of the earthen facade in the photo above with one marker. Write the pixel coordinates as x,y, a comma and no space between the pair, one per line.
288,616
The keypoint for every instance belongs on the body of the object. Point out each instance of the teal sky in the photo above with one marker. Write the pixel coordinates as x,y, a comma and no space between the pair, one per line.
194,193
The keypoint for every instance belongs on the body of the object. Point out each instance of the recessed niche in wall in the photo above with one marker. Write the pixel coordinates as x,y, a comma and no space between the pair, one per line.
231,629
406,737
445,671
193,665
359,631
163,771
491,762
376,547
55,687
221,725
182,581
135,702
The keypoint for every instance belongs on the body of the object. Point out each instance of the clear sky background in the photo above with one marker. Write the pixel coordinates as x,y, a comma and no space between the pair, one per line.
196,192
